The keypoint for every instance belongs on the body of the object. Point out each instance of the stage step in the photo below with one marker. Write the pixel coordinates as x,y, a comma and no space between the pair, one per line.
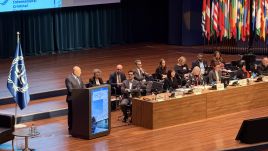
38,109
36,96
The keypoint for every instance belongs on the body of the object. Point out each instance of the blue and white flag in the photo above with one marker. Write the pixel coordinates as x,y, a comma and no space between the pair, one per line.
17,80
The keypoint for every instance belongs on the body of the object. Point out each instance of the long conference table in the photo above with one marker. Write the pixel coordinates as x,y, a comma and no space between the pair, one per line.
152,114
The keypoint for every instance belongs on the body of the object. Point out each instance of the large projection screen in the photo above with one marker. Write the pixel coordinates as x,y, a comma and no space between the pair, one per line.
19,5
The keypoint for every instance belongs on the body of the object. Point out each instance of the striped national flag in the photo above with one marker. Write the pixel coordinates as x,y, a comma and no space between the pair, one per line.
215,16
203,24
208,19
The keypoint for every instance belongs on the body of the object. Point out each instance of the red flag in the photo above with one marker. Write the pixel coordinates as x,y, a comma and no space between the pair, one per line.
208,19
215,17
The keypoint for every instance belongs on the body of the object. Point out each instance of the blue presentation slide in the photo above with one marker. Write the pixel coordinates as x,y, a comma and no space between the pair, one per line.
99,110
17,5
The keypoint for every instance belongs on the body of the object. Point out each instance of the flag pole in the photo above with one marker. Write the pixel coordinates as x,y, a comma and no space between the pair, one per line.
16,106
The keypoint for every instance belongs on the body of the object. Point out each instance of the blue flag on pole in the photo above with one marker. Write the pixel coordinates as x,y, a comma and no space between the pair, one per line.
17,80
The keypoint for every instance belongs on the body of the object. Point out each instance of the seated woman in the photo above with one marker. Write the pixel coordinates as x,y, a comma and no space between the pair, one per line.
96,80
171,82
218,58
215,74
161,71
181,67
242,72
195,77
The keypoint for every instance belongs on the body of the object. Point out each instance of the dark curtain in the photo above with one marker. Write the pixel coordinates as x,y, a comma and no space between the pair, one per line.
75,28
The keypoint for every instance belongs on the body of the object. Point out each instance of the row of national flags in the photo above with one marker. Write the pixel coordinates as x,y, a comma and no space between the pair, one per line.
236,19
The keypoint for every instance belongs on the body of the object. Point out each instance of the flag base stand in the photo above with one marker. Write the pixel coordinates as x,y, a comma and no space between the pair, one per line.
20,126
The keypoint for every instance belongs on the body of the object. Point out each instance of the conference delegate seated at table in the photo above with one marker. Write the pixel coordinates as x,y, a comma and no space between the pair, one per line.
181,67
217,58
161,71
262,69
143,77
116,79
201,63
96,80
171,82
242,72
130,88
215,74
195,77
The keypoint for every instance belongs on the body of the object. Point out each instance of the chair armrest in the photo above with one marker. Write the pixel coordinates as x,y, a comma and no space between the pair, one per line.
7,121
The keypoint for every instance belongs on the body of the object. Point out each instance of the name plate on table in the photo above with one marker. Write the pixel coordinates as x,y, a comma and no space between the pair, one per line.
220,86
243,82
265,78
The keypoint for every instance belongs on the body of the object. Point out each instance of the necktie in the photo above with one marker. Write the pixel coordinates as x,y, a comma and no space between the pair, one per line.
118,78
78,80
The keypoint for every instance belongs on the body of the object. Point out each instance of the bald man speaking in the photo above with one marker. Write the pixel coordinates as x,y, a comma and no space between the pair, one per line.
73,81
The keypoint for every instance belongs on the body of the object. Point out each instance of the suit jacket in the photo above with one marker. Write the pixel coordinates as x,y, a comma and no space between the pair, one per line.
240,74
262,70
92,81
134,91
159,72
212,76
171,84
140,77
197,63
181,70
113,78
72,83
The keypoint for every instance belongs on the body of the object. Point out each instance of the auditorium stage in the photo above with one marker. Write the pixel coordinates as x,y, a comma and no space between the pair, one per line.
46,73
46,76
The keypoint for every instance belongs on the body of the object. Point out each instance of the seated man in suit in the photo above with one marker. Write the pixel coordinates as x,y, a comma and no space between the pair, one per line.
96,80
116,79
143,77
130,88
201,63
215,74
262,69
73,81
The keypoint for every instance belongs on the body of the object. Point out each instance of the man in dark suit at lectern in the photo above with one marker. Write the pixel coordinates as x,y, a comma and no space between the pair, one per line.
130,88
73,81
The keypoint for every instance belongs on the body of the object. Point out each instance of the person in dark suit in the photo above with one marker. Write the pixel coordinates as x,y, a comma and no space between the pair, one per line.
262,69
161,71
73,81
215,74
130,88
96,80
171,82
181,67
116,79
242,72
143,77
139,72
201,63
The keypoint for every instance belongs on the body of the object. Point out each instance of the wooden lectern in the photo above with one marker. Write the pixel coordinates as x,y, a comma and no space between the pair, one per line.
91,117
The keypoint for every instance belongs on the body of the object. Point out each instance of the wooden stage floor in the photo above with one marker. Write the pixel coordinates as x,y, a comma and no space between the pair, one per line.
206,135
47,73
